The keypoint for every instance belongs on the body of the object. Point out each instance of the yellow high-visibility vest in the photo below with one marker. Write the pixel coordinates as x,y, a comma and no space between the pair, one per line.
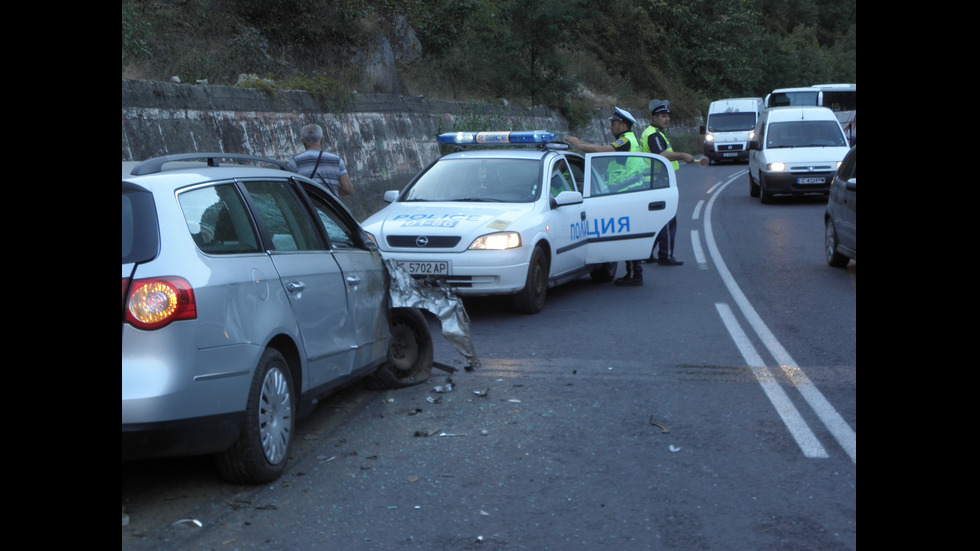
619,173
645,142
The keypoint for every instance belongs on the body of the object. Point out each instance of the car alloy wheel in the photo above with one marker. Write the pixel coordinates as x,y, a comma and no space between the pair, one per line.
262,449
275,415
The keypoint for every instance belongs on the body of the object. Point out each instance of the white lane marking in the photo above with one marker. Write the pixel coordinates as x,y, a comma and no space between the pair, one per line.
698,252
836,424
784,406
697,210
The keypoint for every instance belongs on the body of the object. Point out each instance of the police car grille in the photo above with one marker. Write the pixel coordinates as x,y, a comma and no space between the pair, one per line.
452,281
423,241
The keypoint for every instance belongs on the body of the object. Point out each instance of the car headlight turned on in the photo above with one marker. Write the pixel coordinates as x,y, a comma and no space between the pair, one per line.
709,138
497,241
776,167
154,303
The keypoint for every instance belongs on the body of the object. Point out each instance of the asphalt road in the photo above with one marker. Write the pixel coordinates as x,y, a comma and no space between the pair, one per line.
713,408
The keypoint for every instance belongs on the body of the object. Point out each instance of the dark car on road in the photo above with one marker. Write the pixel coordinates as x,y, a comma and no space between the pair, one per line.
840,219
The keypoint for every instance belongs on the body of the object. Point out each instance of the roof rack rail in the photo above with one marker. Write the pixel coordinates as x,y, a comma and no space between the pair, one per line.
155,165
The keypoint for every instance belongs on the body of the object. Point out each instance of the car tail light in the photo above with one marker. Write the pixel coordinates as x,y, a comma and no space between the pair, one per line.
155,302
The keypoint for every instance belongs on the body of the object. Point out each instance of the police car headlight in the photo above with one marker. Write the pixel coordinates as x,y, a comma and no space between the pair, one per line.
776,167
497,241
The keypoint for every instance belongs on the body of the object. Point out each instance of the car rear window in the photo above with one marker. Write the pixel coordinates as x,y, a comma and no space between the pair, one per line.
218,221
140,236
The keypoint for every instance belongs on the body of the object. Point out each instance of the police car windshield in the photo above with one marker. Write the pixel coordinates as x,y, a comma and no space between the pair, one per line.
495,180
805,134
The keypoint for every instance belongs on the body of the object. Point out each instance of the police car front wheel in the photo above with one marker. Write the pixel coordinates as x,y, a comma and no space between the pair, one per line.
530,300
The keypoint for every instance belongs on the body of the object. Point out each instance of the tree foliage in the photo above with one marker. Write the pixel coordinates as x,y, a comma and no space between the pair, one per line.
551,52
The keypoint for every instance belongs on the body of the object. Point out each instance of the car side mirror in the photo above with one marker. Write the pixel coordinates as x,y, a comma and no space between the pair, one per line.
702,129
852,184
568,198
390,195
754,145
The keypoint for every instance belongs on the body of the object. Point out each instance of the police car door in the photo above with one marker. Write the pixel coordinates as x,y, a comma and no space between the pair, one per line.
629,198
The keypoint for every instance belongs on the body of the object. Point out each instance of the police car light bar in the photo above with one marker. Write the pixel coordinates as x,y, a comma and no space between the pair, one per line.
491,138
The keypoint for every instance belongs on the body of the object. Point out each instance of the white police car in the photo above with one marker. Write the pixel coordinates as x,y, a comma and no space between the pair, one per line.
515,221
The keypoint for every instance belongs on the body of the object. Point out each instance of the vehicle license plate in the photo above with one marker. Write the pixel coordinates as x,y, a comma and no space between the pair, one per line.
426,268
811,180
729,154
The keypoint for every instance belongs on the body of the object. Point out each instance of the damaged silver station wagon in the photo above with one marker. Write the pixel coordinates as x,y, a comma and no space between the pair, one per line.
247,293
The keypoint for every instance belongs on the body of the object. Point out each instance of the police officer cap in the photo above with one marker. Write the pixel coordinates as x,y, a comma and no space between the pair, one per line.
657,106
622,115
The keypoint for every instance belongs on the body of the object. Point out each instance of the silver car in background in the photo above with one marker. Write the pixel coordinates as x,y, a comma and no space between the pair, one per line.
247,293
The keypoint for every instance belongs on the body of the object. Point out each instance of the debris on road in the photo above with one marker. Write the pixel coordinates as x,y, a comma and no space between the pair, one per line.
663,427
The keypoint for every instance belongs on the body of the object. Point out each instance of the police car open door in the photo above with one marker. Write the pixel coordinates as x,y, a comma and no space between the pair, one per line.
629,198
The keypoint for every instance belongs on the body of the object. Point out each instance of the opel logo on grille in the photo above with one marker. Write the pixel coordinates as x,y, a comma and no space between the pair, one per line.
421,241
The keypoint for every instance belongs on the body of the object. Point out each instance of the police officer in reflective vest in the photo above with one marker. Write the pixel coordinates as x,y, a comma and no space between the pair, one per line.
620,176
655,141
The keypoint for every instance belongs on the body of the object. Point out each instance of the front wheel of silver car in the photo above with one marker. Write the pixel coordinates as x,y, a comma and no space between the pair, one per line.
410,352
260,453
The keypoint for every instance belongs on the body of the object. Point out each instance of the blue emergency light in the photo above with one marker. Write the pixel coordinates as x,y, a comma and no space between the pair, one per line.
492,138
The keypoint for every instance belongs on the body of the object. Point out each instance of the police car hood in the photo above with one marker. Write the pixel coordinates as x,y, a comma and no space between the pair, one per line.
444,218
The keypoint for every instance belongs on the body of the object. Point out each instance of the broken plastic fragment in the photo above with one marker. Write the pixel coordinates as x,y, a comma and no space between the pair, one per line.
663,427
674,448
448,387
436,297
481,393
188,522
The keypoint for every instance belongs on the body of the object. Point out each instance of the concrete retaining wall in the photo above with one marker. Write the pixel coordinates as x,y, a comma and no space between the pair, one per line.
383,139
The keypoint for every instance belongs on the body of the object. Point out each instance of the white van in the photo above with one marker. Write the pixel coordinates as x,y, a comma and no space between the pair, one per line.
796,151
729,127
